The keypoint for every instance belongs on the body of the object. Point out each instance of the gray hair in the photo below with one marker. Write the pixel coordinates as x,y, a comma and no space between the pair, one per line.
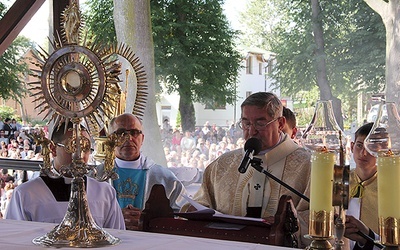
267,101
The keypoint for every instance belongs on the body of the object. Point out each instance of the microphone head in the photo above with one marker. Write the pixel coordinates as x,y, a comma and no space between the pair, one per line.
253,144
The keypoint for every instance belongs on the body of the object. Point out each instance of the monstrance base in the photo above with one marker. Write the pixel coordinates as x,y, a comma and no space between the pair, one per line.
65,236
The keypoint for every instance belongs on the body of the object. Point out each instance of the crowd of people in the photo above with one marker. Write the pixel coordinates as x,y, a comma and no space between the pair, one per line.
200,147
196,149
16,142
217,152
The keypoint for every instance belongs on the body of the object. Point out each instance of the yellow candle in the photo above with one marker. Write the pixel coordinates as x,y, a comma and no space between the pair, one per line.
389,186
321,181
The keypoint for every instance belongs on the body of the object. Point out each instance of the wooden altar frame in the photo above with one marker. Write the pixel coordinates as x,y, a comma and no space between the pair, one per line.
158,217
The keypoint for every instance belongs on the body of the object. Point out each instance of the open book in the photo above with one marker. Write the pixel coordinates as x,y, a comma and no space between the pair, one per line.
205,213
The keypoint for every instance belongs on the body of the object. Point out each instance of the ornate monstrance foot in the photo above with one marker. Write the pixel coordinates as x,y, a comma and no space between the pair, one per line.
90,237
78,229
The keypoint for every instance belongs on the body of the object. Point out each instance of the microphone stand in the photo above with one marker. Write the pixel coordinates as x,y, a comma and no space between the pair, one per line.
256,163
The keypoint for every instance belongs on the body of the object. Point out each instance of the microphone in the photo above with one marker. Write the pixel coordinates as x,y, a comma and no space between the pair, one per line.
251,147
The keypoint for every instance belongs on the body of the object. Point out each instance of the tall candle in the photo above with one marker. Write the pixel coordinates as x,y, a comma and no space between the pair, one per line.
389,186
322,164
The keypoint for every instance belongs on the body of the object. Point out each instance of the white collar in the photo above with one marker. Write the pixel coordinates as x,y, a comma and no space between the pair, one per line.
136,164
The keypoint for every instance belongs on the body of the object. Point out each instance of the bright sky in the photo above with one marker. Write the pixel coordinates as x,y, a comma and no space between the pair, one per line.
37,29
232,10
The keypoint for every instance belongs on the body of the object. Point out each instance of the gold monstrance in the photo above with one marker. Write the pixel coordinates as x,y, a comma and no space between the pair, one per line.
79,83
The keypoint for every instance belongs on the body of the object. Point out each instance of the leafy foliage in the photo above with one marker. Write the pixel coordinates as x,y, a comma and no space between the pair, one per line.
7,112
12,68
194,50
354,38
98,16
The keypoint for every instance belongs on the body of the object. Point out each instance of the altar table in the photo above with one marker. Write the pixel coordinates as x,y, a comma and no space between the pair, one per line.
16,235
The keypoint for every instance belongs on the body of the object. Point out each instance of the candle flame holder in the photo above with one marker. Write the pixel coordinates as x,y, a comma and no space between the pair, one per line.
383,142
324,138
390,231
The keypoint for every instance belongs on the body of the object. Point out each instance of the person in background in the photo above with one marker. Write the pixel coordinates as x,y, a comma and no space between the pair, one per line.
6,176
176,140
166,129
251,194
9,189
290,127
15,125
188,142
363,203
24,152
8,130
45,199
136,170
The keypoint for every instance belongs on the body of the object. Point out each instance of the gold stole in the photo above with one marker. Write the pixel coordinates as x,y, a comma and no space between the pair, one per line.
255,189
368,199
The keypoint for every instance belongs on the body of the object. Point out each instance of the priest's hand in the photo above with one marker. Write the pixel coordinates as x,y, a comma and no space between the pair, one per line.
352,227
131,216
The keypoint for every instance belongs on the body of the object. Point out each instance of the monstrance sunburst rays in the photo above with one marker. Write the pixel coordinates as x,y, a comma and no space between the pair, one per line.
80,81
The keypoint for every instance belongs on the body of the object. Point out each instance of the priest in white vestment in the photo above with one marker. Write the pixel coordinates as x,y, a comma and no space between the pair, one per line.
253,194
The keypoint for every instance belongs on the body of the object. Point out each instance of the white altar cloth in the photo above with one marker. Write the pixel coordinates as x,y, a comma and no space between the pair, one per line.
16,235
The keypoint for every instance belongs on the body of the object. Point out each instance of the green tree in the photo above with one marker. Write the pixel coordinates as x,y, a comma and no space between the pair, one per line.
12,68
194,52
98,15
388,11
7,112
352,38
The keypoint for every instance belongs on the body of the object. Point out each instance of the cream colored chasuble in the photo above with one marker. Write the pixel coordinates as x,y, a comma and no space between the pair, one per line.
255,189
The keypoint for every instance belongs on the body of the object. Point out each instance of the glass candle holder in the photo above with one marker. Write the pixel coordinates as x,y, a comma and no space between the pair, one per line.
324,138
383,142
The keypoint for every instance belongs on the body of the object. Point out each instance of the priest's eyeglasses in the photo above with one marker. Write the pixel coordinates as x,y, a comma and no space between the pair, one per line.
126,132
258,125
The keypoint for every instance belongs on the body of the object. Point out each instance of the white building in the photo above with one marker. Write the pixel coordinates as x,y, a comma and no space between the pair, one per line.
253,77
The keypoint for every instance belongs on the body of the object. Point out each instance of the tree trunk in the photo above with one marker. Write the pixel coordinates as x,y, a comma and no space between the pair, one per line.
133,27
320,61
391,20
390,14
186,109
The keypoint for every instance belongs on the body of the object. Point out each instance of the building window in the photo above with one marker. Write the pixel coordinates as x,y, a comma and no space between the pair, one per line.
260,68
270,65
249,69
